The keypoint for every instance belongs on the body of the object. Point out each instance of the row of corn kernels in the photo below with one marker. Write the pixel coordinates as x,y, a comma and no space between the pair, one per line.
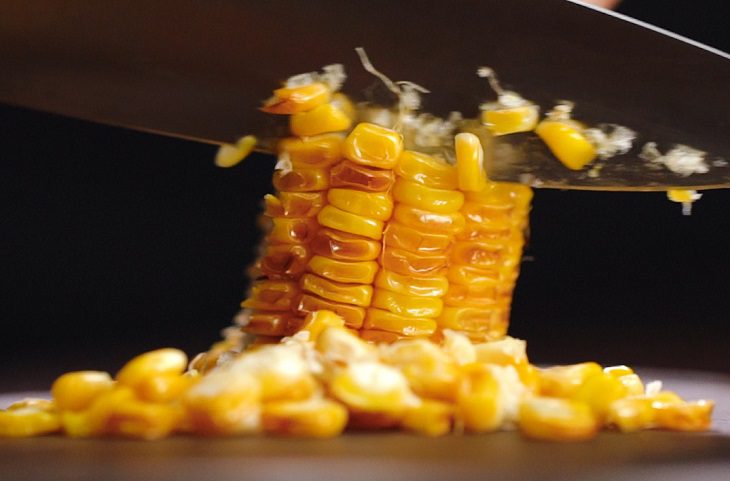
302,180
485,259
412,281
326,379
359,204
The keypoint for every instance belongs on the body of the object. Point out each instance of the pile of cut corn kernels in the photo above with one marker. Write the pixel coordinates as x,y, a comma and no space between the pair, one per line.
325,379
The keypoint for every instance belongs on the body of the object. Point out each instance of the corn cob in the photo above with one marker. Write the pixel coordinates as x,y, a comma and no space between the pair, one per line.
398,242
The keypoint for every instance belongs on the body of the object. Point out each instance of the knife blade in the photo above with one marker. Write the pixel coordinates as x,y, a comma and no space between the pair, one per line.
199,70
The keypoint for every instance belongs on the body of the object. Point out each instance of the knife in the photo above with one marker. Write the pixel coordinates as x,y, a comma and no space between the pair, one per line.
199,70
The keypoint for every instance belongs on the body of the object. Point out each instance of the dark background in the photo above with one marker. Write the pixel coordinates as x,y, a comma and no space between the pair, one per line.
114,242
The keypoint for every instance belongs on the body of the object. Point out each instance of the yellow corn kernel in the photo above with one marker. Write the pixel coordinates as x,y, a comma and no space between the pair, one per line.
271,323
529,376
407,305
163,388
631,381
320,120
341,245
505,352
618,370
373,146
229,155
685,416
340,346
343,102
344,271
409,263
75,391
599,391
311,179
499,228
283,260
467,275
375,205
633,384
415,240
292,100
120,412
489,214
431,373
318,321
458,346
376,336
338,219
355,294
502,194
372,387
430,286
483,255
261,340
285,230
80,424
224,403
162,362
556,419
685,197
474,319
682,195
471,296
429,418
428,221
281,370
408,326
564,381
361,177
315,151
316,418
426,170
294,204
566,141
470,163
27,421
503,121
353,316
479,404
630,414
663,398
441,201
272,295
34,403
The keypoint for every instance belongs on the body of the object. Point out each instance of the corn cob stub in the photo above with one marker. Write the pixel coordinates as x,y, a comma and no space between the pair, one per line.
398,242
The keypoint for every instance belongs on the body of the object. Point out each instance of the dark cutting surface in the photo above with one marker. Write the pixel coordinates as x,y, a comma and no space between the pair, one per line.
651,455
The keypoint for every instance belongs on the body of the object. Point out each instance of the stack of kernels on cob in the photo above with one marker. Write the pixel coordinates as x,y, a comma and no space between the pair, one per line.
484,261
302,181
381,238
411,281
347,245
